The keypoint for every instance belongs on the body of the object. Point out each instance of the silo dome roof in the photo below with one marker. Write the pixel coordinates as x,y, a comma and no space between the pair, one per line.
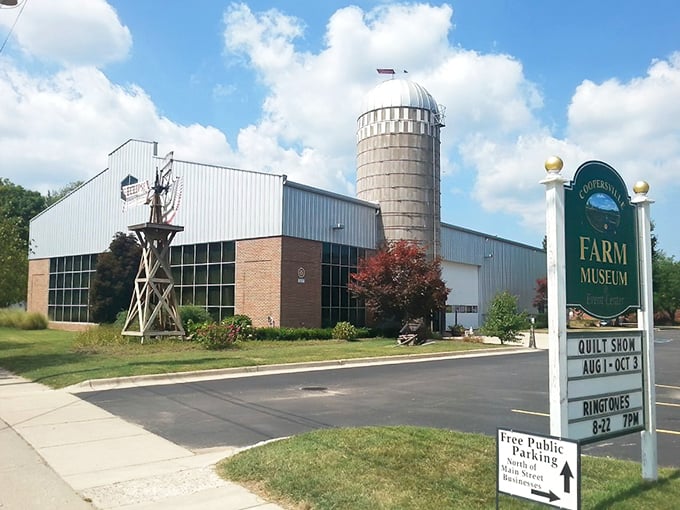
399,92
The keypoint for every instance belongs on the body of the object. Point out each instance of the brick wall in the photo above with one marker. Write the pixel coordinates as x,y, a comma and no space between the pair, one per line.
258,279
267,282
301,304
38,285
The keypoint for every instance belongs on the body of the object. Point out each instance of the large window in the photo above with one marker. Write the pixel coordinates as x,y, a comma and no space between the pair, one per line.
69,288
204,276
338,261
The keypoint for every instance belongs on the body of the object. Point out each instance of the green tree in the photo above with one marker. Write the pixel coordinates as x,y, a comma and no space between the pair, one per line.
20,203
504,319
13,263
56,195
666,284
17,207
400,283
114,278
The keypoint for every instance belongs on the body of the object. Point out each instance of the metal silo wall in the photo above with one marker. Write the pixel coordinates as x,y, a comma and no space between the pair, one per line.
398,166
503,264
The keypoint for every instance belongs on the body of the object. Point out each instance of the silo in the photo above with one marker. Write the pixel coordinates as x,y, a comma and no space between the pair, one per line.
398,160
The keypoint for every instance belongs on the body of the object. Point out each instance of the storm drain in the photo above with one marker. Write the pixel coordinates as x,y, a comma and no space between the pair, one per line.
314,388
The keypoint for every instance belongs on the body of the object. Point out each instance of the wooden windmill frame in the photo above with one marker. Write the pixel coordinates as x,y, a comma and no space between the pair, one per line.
153,307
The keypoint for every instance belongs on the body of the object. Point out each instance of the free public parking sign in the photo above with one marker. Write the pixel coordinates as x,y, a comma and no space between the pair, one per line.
539,468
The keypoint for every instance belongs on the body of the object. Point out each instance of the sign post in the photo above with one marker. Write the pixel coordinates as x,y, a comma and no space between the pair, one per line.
646,323
557,304
539,468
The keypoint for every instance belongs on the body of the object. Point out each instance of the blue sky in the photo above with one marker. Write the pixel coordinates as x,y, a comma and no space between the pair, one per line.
277,86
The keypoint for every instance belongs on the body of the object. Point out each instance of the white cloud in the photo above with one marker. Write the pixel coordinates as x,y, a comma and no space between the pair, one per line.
314,99
629,125
633,125
508,172
63,126
70,32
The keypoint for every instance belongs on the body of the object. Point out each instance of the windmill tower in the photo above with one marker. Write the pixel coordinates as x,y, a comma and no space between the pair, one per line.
153,308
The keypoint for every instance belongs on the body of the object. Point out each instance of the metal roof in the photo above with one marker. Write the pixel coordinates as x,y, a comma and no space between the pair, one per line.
399,92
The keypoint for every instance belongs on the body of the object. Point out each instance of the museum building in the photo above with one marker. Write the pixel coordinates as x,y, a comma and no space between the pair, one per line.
281,252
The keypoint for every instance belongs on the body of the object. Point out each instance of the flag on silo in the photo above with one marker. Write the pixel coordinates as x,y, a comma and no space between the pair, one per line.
385,71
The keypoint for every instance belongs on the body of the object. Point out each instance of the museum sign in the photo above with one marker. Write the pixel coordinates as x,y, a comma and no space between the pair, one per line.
601,255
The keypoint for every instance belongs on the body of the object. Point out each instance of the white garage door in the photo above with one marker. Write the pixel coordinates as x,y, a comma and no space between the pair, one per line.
462,304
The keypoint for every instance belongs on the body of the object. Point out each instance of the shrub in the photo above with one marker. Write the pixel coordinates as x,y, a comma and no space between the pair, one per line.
240,320
216,336
366,333
20,319
244,323
98,337
193,317
541,321
292,334
503,319
345,331
32,320
121,317
456,330
388,329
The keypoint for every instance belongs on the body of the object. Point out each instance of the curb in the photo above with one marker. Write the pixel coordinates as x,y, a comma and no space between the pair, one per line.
224,373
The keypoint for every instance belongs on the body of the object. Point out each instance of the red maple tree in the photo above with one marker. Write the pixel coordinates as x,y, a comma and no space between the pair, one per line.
399,282
541,298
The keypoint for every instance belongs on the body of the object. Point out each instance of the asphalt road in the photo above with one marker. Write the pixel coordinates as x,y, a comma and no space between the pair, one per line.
466,394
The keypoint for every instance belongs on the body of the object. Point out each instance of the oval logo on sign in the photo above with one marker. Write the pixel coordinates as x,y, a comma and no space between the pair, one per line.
602,212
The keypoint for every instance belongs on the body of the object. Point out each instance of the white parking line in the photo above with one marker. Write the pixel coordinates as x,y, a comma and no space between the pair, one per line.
674,432
668,387
520,411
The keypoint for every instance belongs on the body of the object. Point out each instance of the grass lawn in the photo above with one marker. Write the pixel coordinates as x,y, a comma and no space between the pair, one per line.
60,358
420,468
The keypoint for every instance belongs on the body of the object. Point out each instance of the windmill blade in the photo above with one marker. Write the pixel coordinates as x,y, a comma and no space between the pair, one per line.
172,199
165,168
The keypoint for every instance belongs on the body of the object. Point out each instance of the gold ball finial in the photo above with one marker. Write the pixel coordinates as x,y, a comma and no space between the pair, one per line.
641,187
553,164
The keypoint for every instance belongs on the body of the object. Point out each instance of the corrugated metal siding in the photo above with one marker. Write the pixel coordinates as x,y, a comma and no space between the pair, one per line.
224,204
218,204
503,264
86,220
312,214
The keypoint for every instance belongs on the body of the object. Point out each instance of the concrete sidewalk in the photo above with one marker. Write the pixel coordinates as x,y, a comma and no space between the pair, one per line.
61,453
